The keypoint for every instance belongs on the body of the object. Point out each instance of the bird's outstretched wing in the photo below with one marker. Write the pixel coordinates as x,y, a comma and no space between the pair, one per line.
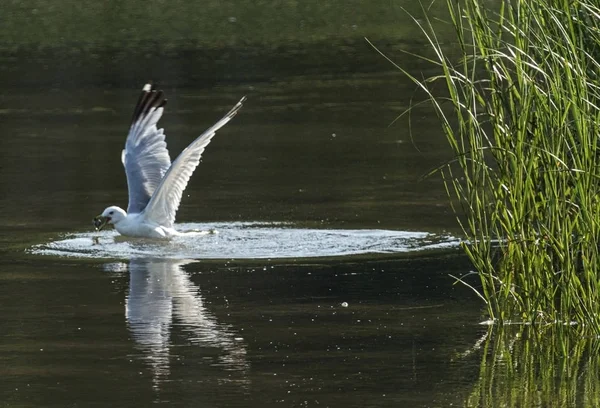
164,203
145,157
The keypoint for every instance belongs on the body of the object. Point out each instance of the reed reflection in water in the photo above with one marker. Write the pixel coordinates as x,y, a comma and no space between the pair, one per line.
536,366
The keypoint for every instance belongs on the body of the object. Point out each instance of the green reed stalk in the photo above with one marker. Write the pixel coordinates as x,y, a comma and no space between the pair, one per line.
524,130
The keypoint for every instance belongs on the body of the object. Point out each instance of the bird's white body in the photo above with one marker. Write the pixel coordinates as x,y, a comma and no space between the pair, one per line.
155,184
133,225
136,225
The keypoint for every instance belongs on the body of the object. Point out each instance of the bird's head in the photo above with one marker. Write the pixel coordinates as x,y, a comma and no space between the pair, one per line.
111,215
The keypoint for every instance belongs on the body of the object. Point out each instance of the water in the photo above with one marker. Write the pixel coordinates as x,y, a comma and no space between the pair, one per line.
204,333
328,282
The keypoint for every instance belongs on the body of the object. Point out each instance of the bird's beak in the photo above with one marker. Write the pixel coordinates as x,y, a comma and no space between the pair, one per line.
100,222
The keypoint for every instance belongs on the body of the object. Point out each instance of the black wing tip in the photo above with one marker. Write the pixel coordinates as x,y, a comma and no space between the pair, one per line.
237,106
149,98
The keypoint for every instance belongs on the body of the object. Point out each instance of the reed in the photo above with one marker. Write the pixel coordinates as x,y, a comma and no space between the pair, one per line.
521,116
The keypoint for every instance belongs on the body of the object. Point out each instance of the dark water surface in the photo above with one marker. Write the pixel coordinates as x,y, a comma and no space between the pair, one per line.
360,312
209,334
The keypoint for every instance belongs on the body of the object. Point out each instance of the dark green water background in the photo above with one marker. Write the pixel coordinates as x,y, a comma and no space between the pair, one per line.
315,145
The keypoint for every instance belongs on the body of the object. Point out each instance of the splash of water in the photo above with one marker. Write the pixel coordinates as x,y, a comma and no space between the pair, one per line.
245,240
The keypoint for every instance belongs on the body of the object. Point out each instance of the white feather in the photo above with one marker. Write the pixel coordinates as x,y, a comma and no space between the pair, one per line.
155,185
166,198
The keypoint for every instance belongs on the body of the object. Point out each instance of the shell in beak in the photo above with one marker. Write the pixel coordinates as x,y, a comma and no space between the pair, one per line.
100,222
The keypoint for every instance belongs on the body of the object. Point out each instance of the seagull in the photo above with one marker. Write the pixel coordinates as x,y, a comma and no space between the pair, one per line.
155,185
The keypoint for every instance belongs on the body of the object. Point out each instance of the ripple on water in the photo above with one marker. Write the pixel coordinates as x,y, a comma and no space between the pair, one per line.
246,240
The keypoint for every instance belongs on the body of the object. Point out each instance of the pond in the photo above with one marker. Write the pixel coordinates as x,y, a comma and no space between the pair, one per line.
324,277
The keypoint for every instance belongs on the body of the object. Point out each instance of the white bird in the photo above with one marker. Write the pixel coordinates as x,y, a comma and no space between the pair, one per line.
155,185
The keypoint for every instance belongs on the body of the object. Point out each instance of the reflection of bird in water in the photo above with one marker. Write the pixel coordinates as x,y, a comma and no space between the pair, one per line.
160,292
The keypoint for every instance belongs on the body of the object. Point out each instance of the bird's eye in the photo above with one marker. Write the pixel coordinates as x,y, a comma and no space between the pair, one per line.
111,213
